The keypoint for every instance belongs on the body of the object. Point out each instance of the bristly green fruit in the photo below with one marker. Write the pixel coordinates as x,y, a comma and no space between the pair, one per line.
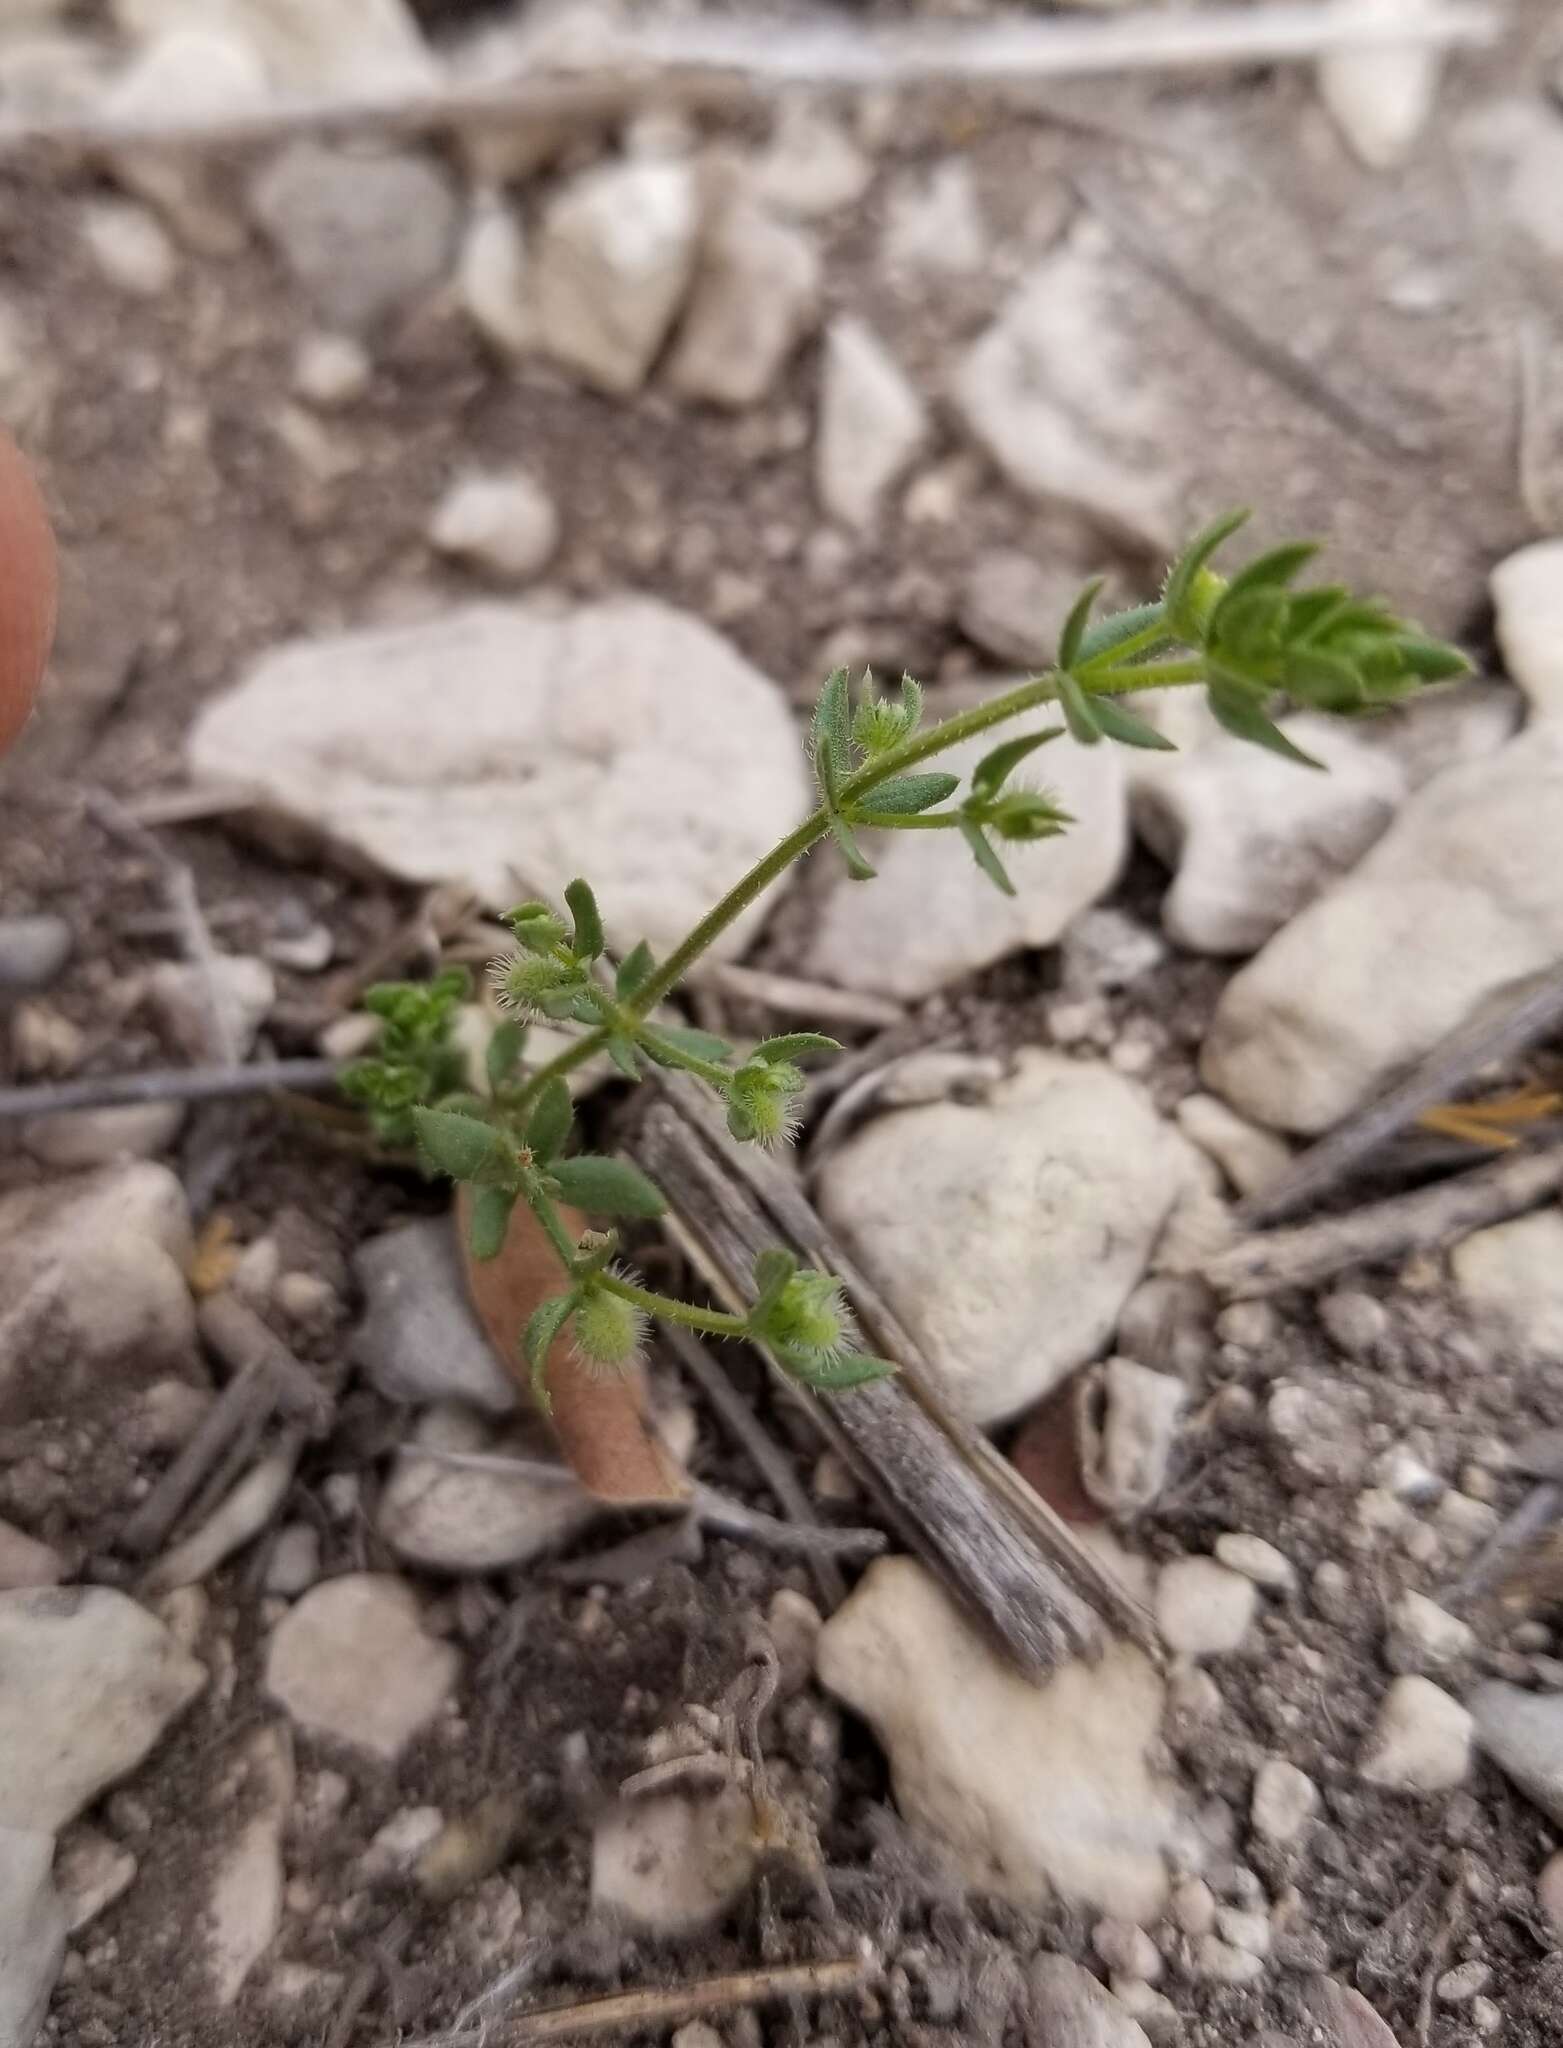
1254,643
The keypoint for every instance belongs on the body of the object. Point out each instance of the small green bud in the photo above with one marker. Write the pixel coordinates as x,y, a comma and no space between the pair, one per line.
527,983
760,1102
811,1319
536,927
1024,815
608,1332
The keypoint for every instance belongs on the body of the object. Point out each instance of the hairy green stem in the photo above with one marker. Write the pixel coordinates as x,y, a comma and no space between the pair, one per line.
543,1209
737,900
668,1310
709,1071
1027,696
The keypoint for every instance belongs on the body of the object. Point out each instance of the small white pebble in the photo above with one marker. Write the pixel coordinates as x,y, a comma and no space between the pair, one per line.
1401,1472
1127,1949
1285,1800
1421,1741
1245,1930
1219,1960
1463,1982
1465,1521
1202,1608
1158,2016
1355,1321
1251,1325
1331,1587
1485,2016
1423,1637
331,371
1193,1906
1478,1483
1257,1560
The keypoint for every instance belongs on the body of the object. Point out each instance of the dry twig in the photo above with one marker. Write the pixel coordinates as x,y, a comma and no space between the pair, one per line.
1424,1220
266,1377
184,903
622,2011
745,1427
170,1084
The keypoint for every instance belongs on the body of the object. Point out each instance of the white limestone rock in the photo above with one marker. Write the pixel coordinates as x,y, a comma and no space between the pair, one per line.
1009,1233
1035,1790
89,1682
1456,906
580,740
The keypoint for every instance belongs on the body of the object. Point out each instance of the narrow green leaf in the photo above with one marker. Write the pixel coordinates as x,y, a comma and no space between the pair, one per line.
505,1048
832,728
1315,676
857,867
1253,627
772,1270
1109,634
905,795
606,1187
456,1145
995,768
550,1121
1431,661
788,1047
1079,711
834,1375
588,941
634,968
491,1209
1069,641
1242,712
985,857
700,1045
1129,731
911,703
1185,570
1272,571
543,1326
621,1051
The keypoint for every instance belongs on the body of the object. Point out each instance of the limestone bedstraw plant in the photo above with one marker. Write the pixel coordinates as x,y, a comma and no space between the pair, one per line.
1253,642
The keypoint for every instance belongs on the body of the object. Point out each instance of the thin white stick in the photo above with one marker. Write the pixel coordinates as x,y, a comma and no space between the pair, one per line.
710,62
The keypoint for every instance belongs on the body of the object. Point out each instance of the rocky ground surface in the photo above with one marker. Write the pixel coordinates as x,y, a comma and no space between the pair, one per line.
487,510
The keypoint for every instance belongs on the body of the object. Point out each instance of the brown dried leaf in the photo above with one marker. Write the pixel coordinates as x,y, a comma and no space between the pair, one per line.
603,1423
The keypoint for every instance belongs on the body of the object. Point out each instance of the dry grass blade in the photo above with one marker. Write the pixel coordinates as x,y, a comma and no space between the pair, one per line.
169,1084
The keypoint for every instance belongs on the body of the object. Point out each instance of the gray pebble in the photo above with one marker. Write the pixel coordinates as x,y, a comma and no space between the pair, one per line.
32,952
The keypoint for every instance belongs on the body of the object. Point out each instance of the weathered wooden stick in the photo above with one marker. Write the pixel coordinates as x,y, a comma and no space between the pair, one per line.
710,62
998,1548
1438,1078
1425,1220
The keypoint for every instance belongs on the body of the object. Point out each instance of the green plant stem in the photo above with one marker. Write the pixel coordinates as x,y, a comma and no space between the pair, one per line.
542,1207
737,900
668,1310
949,732
1150,675
714,1076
